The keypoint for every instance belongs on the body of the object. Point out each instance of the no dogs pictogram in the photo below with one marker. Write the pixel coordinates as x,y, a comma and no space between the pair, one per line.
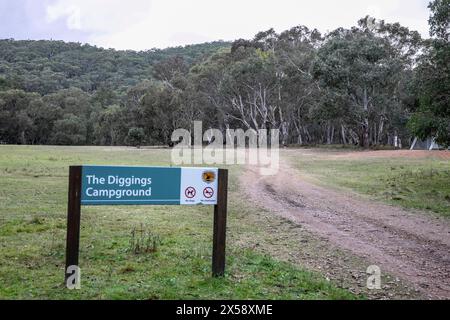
190,192
208,192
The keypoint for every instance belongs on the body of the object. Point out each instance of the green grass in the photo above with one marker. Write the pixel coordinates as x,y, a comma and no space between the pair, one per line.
419,183
33,200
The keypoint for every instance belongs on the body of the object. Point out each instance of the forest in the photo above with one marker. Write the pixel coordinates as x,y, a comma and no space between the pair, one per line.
372,85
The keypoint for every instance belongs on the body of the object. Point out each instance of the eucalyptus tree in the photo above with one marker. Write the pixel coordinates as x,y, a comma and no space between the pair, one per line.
109,128
365,68
299,92
70,130
432,116
251,90
16,124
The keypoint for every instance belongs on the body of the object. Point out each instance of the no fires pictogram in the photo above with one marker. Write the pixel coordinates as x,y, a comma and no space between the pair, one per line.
208,192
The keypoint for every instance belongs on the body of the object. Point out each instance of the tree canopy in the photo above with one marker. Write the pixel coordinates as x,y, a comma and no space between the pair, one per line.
373,84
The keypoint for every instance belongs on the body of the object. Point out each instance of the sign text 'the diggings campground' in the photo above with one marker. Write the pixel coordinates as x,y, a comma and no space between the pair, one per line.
103,185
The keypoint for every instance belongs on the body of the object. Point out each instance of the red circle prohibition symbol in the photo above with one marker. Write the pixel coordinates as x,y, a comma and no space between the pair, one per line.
190,192
208,193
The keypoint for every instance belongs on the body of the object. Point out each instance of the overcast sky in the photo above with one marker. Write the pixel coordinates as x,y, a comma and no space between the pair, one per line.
146,24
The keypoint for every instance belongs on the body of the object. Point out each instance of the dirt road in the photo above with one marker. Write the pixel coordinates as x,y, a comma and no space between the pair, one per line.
414,247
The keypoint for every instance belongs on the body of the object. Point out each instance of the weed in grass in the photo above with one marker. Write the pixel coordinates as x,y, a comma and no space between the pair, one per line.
143,240
37,220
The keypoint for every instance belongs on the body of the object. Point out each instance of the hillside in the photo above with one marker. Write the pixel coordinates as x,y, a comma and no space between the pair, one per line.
49,66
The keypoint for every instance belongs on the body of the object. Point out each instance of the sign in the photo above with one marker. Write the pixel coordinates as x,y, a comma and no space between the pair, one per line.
103,185
107,185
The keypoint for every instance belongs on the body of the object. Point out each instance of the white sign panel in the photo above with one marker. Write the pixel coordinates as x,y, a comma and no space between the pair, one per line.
198,186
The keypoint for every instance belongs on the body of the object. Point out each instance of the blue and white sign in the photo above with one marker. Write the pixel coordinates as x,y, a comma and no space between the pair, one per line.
106,185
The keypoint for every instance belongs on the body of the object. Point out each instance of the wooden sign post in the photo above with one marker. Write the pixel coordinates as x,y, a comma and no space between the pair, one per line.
220,225
73,218
96,185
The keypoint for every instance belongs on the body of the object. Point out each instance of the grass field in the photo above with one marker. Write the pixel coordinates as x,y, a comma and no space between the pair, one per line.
33,200
419,180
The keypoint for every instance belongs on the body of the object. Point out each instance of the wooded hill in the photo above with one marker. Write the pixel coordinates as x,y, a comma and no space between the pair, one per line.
362,86
46,67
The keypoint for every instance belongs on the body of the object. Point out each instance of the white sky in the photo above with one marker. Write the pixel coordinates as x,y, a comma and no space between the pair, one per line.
145,24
